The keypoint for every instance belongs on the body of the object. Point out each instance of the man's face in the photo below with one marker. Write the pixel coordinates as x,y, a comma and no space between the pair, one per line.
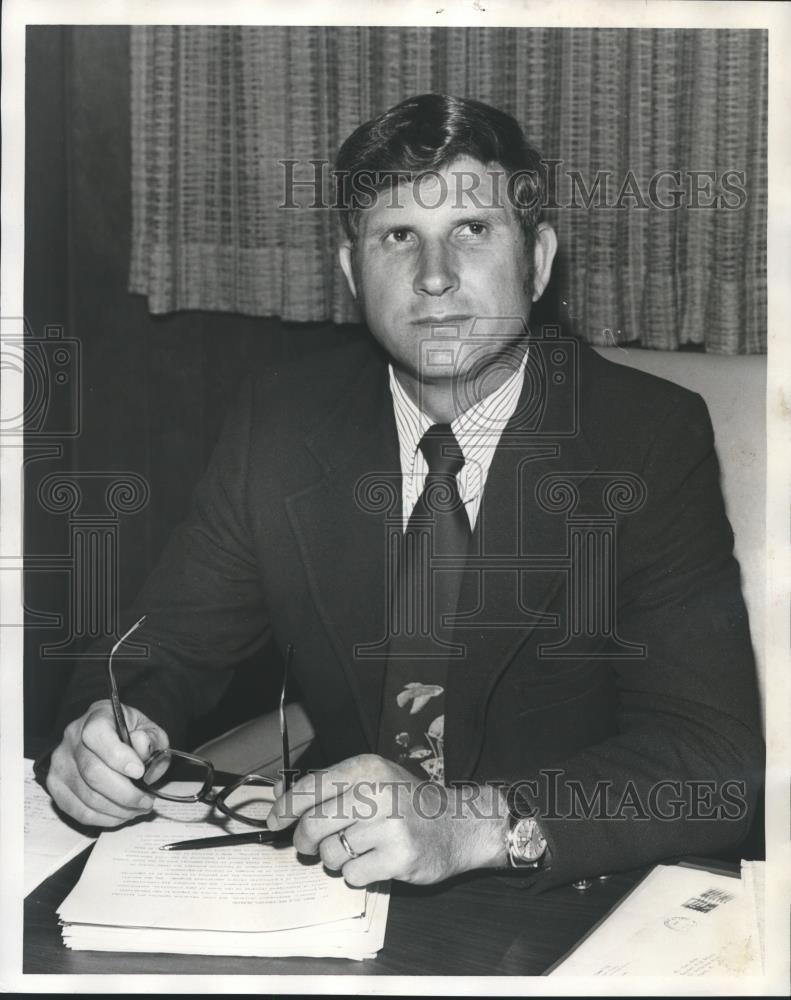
434,258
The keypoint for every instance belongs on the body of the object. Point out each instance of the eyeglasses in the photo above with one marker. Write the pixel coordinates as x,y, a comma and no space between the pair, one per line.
246,809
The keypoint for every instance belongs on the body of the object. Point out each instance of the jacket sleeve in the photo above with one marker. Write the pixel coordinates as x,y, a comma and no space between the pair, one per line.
683,771
203,605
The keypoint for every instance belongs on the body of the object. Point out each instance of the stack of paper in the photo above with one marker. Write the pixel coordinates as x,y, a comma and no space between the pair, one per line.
248,899
679,921
49,842
753,887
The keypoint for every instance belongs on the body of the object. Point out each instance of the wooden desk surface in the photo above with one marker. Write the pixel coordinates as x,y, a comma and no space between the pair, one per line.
477,925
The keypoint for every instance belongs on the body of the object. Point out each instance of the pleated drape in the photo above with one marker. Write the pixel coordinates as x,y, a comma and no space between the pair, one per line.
216,110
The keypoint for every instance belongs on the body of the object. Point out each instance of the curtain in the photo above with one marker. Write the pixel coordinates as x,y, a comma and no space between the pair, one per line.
656,141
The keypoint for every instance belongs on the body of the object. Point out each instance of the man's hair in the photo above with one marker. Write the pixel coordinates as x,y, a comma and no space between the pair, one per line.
426,133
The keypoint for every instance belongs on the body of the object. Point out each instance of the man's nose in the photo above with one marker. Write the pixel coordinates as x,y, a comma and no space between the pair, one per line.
436,272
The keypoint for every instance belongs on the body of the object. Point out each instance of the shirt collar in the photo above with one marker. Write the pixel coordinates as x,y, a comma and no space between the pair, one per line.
477,429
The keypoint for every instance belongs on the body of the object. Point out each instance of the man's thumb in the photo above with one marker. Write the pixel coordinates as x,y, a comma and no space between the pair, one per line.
146,740
142,743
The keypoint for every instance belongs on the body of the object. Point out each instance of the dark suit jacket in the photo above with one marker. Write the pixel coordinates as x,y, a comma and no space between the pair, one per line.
287,537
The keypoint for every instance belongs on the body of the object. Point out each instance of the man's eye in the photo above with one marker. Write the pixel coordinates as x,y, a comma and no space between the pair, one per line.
473,229
398,236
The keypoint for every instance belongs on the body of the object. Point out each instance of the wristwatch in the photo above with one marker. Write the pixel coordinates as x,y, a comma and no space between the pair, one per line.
526,844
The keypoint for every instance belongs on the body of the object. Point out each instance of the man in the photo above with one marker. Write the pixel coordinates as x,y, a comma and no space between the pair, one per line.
561,628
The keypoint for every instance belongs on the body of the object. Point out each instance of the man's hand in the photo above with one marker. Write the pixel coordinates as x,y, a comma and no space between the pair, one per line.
90,770
398,826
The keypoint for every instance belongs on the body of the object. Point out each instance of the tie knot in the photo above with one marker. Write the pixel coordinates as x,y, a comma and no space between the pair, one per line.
441,451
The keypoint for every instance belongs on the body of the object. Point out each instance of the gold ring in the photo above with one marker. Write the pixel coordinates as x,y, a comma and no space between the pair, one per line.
346,845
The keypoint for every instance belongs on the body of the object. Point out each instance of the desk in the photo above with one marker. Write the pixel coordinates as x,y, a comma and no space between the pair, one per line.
474,925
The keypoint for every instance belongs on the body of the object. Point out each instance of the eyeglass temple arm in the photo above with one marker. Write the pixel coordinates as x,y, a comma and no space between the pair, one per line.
285,749
115,700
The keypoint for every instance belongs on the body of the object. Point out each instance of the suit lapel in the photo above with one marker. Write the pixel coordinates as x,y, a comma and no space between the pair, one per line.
343,520
514,570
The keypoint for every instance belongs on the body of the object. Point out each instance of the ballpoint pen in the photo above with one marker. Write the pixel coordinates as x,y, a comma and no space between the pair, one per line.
277,838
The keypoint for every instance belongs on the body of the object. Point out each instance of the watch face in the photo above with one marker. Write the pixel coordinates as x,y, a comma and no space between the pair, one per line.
528,842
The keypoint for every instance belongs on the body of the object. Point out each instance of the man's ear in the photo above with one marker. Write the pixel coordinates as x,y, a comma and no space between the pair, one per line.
543,255
345,259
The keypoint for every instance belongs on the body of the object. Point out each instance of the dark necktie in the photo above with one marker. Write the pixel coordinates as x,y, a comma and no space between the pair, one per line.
440,506
412,722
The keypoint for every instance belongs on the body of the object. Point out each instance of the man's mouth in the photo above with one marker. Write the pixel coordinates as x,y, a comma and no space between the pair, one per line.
443,320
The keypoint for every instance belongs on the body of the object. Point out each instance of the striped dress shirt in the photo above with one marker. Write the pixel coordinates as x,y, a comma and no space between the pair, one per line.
477,430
